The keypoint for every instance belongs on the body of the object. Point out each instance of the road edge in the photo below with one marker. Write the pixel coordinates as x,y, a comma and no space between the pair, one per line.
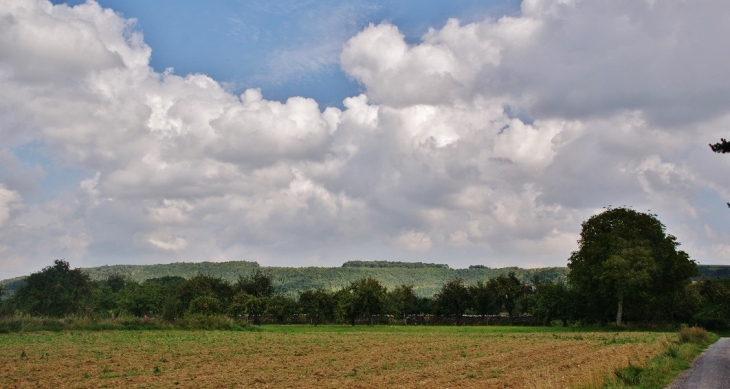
680,379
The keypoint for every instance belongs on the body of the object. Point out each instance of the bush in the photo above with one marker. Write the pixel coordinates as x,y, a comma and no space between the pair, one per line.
696,335
205,305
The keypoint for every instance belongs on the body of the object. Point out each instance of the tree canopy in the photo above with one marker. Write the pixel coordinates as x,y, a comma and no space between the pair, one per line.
453,299
55,291
627,261
721,147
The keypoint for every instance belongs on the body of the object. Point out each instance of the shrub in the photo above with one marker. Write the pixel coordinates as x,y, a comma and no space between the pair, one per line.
696,335
205,305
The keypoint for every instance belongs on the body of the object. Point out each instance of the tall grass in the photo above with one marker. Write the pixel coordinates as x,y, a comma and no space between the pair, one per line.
660,371
696,335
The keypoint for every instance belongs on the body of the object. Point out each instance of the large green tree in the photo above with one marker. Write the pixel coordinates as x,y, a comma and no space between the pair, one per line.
55,291
714,303
370,297
508,292
142,299
259,284
402,301
625,258
483,299
453,299
551,300
317,304
364,297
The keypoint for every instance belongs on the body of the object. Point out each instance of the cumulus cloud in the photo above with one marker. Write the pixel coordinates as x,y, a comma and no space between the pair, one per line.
7,199
493,139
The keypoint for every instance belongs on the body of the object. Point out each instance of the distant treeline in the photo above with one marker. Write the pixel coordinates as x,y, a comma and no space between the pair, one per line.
713,271
407,265
426,280
59,291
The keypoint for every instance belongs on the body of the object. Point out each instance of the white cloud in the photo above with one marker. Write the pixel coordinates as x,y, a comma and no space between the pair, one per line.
7,199
528,145
413,241
495,139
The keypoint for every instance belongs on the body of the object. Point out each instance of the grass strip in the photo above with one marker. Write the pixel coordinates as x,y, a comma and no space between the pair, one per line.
663,369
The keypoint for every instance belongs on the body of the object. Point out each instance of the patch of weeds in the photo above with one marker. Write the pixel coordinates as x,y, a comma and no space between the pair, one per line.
630,375
131,373
672,352
352,373
697,335
471,375
156,370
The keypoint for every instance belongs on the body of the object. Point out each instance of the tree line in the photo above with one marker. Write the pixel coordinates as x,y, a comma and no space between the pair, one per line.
626,268
59,291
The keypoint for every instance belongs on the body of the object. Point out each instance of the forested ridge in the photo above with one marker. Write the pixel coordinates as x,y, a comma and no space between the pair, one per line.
426,279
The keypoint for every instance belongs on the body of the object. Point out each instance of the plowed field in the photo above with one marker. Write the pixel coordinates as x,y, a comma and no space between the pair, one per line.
429,357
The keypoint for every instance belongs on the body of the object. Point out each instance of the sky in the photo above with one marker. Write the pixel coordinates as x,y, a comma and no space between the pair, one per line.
310,133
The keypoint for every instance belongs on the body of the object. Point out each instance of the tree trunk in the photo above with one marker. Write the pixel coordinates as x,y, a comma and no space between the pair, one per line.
620,308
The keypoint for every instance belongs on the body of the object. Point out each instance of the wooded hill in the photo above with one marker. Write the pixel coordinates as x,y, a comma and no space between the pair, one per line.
426,278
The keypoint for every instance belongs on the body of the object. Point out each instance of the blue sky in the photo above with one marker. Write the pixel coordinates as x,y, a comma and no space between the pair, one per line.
309,133
247,44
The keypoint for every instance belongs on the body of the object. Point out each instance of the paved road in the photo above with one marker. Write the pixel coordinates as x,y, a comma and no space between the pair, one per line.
711,370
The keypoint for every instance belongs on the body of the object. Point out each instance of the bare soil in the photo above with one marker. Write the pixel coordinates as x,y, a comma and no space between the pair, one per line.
288,359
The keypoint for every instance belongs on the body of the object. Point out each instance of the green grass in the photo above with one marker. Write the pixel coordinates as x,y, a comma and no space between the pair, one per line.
200,322
663,369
